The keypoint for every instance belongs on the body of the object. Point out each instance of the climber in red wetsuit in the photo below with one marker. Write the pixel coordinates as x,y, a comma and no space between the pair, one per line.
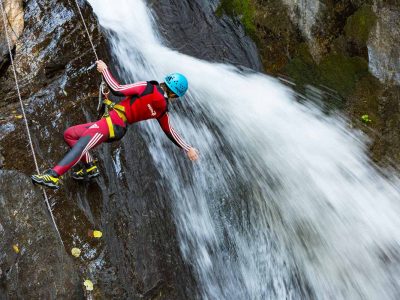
143,100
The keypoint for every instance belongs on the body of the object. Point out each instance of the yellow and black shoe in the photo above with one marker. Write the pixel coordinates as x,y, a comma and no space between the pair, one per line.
89,171
49,178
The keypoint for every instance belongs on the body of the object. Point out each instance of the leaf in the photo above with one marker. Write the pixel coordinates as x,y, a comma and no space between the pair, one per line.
19,116
366,119
76,252
65,92
15,248
88,284
97,234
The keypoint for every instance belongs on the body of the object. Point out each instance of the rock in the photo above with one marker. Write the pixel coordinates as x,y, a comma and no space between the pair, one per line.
42,262
1,161
139,247
359,25
304,13
383,45
15,22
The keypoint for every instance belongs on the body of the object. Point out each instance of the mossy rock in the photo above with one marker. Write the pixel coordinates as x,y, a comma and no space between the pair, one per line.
244,10
302,68
271,15
341,72
365,99
277,37
359,25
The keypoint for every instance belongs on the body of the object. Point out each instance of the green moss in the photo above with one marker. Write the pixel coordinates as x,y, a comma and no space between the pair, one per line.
302,67
335,71
359,25
341,72
242,9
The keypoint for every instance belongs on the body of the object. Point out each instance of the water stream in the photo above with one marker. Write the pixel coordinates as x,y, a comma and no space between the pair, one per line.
284,202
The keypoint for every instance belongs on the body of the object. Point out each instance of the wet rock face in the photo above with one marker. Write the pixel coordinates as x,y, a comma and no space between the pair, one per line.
15,20
138,255
383,50
41,268
192,27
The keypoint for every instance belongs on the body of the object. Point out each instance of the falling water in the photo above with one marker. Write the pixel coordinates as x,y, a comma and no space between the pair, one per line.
284,203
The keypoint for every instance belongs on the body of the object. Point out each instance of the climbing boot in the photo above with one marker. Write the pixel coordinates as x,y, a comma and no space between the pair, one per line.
88,171
49,178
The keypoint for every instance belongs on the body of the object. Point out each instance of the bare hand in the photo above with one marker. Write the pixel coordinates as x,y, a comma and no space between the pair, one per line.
193,154
101,66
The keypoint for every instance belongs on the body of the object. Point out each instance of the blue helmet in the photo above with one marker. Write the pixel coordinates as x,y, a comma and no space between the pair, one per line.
177,83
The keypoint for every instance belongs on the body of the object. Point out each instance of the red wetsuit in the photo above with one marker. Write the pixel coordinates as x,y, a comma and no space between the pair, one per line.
144,100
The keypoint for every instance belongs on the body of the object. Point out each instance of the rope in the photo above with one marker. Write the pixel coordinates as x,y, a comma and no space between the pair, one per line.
87,31
25,119
102,84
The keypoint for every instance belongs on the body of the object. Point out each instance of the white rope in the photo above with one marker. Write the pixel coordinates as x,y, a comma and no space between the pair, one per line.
102,84
24,115
87,31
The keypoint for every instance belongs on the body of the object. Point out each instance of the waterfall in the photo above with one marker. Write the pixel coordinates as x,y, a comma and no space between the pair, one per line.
284,202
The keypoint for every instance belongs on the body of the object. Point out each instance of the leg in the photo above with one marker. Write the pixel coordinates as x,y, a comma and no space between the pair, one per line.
81,138
73,134
94,135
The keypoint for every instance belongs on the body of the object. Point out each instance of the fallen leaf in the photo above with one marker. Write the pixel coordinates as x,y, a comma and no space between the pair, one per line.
76,252
97,234
88,284
15,248
19,116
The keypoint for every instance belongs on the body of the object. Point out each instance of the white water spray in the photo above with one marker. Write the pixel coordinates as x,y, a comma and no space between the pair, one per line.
284,202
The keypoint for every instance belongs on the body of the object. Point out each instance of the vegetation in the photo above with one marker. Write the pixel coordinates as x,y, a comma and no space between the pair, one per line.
244,10
341,72
359,25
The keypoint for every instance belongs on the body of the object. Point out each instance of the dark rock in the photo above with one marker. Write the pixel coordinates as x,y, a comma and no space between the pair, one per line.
192,27
42,268
139,249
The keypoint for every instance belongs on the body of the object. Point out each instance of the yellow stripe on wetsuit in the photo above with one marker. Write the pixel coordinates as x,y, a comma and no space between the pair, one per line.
120,111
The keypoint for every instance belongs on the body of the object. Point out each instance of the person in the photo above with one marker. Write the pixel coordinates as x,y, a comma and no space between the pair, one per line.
143,100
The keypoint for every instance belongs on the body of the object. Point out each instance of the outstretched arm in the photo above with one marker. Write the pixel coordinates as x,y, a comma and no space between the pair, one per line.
116,88
175,138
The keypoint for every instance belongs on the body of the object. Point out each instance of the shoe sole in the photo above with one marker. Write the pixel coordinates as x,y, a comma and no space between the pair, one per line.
46,184
84,178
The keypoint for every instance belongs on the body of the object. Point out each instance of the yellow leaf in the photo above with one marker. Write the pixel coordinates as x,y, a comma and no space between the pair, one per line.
19,116
16,249
76,252
88,284
97,234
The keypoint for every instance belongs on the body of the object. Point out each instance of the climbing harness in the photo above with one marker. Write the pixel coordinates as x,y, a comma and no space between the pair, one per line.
120,110
25,119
